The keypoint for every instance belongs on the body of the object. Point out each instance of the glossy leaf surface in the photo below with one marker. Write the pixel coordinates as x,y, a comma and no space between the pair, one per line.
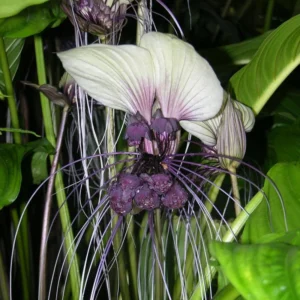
274,216
10,8
32,20
264,271
276,58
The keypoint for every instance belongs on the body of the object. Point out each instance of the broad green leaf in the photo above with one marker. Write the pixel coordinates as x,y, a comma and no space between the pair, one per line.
13,51
283,144
273,218
265,271
291,237
10,8
11,156
275,59
288,110
32,20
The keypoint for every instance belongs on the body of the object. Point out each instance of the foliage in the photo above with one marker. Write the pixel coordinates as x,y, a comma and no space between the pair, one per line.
211,248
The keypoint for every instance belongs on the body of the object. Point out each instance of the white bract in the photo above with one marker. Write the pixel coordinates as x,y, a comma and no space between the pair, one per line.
163,68
209,131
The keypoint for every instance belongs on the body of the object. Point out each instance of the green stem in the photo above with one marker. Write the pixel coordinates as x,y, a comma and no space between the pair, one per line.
4,294
9,92
45,104
122,273
47,208
132,258
59,184
242,218
176,10
158,280
110,145
25,238
212,196
21,254
269,14
235,191
229,236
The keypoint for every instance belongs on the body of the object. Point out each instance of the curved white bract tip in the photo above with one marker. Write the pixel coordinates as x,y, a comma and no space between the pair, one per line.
209,131
247,115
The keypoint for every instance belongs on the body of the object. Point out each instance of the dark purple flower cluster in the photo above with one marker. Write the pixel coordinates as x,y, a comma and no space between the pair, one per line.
95,16
146,192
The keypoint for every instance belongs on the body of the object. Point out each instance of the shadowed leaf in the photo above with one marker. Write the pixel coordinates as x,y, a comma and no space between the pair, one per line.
11,156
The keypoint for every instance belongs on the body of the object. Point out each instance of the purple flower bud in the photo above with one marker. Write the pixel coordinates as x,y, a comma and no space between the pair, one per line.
136,130
96,16
162,125
120,200
145,198
175,197
129,181
160,183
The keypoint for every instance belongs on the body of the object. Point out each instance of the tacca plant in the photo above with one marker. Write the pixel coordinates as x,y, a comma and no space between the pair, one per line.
145,184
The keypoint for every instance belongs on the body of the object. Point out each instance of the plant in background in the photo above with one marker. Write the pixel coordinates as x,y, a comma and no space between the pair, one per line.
96,17
153,161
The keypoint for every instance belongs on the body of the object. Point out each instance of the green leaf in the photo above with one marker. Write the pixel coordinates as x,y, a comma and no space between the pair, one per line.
227,293
13,49
39,168
272,218
32,20
145,267
12,7
292,238
275,59
11,156
18,130
266,271
288,110
284,144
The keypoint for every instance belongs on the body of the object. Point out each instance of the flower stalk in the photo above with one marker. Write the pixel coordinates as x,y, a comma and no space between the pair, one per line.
158,280
59,184
235,191
47,208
